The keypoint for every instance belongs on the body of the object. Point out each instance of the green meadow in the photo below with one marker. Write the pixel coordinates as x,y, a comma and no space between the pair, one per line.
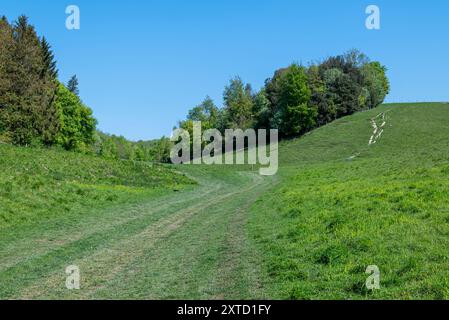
343,205
143,231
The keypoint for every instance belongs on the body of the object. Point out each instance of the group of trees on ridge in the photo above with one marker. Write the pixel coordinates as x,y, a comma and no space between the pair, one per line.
118,147
37,109
297,98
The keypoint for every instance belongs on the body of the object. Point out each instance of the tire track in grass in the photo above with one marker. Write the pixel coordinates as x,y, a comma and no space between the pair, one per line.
204,212
104,264
30,248
35,268
187,264
239,271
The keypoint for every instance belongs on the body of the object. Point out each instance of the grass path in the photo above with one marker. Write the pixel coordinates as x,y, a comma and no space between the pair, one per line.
182,245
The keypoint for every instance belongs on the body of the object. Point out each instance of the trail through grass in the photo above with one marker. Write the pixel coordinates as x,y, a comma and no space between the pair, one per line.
181,237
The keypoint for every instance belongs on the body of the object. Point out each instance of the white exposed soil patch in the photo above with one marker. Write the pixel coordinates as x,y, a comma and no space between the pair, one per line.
378,129
378,123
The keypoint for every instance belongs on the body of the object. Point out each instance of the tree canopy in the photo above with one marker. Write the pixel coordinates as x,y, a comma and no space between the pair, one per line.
299,98
37,109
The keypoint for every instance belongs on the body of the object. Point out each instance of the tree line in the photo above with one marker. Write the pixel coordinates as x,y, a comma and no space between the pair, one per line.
36,109
297,98
119,148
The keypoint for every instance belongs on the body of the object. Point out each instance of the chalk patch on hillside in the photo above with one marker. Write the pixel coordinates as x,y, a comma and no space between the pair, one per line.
378,129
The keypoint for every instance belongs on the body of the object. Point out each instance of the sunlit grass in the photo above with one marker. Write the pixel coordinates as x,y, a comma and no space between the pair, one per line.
41,183
334,215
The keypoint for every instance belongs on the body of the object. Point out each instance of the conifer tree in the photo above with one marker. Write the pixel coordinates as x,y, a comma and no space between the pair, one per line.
72,85
30,115
49,60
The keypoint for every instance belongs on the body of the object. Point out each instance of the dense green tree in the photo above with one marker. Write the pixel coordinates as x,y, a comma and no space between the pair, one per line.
26,92
289,94
294,98
349,63
273,87
299,119
348,88
108,148
77,123
346,95
273,92
376,83
294,88
238,104
262,110
342,91
162,150
6,43
139,153
206,112
320,98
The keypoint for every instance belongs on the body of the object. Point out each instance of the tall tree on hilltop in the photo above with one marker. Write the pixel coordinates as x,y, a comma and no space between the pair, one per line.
238,104
376,82
294,102
78,125
320,98
49,60
206,112
72,85
6,42
35,108
262,110
27,94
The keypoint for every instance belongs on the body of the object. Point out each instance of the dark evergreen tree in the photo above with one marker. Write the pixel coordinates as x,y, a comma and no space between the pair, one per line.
49,60
32,115
72,85
26,92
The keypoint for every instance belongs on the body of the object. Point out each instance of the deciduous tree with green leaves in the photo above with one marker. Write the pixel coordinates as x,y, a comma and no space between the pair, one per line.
77,122
238,104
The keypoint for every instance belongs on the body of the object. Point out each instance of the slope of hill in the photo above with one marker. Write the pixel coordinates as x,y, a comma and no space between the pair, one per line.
344,205
41,183
337,206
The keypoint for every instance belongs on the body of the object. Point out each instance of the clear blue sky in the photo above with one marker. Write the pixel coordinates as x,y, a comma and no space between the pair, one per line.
143,63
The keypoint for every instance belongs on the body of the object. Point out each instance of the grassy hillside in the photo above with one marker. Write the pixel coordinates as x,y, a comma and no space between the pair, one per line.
336,206
187,244
36,184
344,205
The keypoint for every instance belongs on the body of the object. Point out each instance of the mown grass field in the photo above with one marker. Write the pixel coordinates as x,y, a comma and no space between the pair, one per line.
336,206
